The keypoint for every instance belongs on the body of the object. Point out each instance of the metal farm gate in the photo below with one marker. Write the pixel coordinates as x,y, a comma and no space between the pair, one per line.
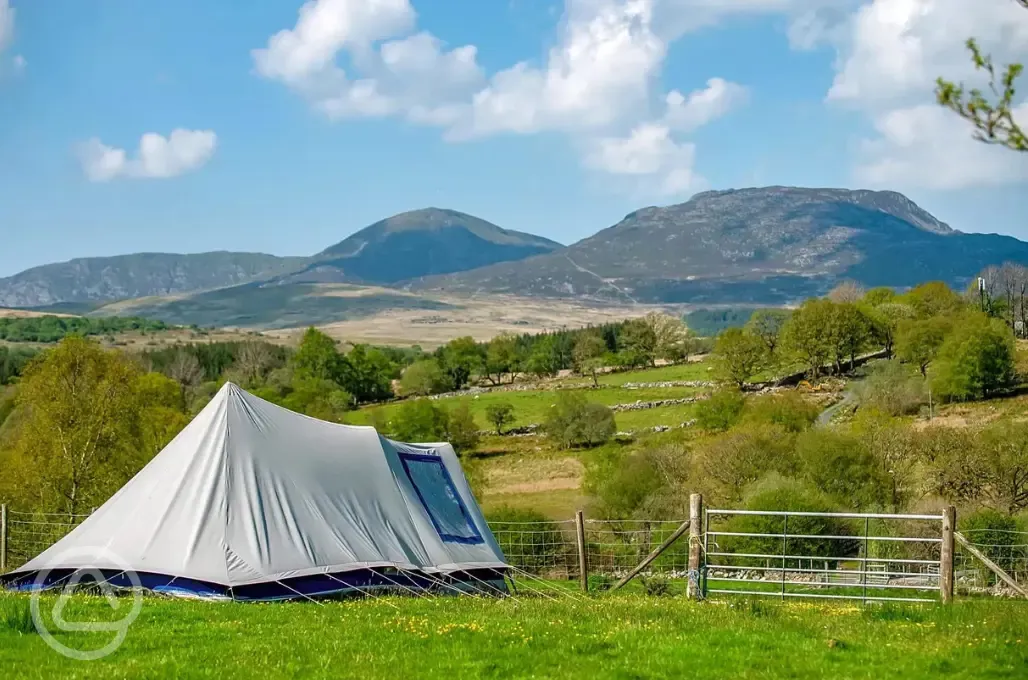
828,555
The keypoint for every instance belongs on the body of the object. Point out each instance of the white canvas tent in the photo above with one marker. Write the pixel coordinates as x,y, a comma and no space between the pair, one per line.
253,501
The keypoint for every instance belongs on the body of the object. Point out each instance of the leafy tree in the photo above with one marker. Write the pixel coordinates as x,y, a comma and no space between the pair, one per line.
725,465
638,344
366,374
808,334
975,359
721,411
502,358
884,322
317,357
670,336
993,121
421,420
461,430
314,397
81,408
918,341
574,421
989,468
588,354
892,388
879,296
422,378
767,325
459,359
934,298
544,360
739,355
850,331
500,414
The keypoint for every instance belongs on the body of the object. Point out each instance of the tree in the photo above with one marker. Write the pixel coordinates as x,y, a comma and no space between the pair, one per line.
500,413
850,330
934,298
845,292
421,420
918,341
317,357
588,354
739,355
185,369
807,335
670,336
993,121
638,344
975,359
884,322
767,325
254,361
459,359
543,361
461,430
422,378
879,296
573,421
367,373
502,358
80,410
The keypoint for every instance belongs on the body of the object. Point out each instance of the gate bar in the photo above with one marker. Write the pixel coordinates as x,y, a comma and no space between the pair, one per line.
850,515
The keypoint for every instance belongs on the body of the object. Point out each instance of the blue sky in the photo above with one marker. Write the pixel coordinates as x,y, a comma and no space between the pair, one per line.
199,125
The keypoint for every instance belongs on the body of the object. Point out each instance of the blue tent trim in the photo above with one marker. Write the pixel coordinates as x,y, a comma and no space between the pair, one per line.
341,584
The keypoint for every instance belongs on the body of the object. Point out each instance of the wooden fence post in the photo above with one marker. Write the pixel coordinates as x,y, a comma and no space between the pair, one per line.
3,538
694,589
949,523
583,553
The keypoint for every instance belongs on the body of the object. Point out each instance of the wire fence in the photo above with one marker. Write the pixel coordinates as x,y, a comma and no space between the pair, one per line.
549,550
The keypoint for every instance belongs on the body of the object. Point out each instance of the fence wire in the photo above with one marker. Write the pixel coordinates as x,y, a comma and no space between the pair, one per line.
1007,549
549,550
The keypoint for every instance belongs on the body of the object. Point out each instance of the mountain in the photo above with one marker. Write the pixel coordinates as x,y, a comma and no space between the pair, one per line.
406,246
419,243
759,245
100,279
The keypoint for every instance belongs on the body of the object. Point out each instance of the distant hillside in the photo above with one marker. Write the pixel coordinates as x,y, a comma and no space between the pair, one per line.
419,243
406,246
768,245
101,279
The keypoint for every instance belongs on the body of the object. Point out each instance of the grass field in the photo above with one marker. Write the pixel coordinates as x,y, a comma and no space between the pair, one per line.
612,636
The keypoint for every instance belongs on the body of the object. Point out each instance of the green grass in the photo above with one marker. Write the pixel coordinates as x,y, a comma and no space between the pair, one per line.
533,406
612,636
692,371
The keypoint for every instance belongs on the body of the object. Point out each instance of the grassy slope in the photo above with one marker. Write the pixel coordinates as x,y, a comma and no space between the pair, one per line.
623,636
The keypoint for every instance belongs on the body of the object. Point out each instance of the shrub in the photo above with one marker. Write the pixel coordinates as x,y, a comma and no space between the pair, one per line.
461,430
500,413
420,420
840,465
788,410
892,388
975,360
655,586
721,411
779,493
725,465
423,378
573,421
528,539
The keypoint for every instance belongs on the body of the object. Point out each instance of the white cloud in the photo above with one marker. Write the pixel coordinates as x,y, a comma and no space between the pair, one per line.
7,36
600,72
703,106
158,157
927,146
597,84
649,153
889,58
415,76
